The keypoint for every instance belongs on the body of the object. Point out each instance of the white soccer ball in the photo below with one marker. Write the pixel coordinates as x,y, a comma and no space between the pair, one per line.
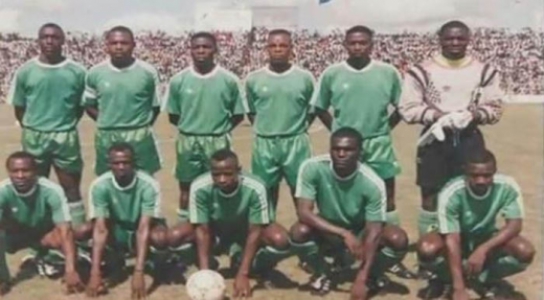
206,285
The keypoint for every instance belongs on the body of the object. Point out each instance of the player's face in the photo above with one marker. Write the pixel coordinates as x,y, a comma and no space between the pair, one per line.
344,152
22,173
202,49
122,165
480,177
225,175
279,48
50,40
454,42
120,45
358,45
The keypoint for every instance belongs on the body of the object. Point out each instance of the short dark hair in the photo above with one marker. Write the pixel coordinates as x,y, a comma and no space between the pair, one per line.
347,132
51,25
122,29
279,31
481,156
121,147
205,34
224,154
452,24
21,155
360,29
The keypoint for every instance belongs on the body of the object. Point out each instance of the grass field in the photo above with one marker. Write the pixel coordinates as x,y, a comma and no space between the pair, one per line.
517,142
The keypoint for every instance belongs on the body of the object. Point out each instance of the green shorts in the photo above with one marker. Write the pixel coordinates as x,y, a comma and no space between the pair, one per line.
194,153
60,149
379,154
24,239
123,240
141,139
274,157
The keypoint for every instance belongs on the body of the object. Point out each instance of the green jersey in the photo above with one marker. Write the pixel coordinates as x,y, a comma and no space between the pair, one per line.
43,206
460,210
50,94
125,205
204,103
248,204
346,202
359,98
125,98
280,101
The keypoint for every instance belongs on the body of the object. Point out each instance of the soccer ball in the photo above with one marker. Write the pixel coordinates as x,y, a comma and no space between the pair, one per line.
206,285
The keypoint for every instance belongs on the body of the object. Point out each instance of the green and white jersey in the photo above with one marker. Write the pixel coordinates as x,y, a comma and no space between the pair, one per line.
248,204
359,98
205,103
280,101
125,98
50,94
346,202
125,205
459,210
42,207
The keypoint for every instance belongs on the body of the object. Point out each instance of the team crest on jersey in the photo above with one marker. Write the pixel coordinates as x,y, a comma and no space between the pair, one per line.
189,91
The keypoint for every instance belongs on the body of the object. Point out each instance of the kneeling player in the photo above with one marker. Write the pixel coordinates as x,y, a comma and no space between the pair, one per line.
125,208
231,214
469,248
351,200
34,213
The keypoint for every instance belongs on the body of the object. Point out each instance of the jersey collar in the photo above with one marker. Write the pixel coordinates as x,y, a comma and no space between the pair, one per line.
365,69
27,194
476,197
126,188
131,66
347,178
210,74
275,74
49,66
442,61
240,178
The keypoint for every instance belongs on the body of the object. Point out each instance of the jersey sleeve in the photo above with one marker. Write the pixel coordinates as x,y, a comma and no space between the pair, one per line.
2,204
17,95
98,202
448,213
59,207
396,87
81,87
151,202
90,96
306,188
321,97
259,210
250,96
310,88
155,88
513,204
490,106
411,105
172,98
237,97
199,206
376,199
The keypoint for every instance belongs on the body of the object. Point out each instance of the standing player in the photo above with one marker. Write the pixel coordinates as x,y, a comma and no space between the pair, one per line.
34,214
351,203
361,90
456,93
278,98
469,246
204,102
125,207
122,96
231,207
46,93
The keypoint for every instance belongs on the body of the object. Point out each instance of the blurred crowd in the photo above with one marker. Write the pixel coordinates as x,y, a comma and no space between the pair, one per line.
518,55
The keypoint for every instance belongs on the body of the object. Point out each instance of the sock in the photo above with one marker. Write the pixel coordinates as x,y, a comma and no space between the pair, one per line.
439,267
385,259
183,215
309,253
4,270
186,253
392,218
427,222
502,267
77,212
268,257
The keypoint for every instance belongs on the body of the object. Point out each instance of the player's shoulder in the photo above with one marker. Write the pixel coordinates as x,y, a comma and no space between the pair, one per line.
334,68
79,67
452,188
252,181
100,67
300,71
181,74
370,175
5,185
507,182
50,186
146,67
256,73
28,65
148,180
385,67
318,161
227,74
202,182
102,181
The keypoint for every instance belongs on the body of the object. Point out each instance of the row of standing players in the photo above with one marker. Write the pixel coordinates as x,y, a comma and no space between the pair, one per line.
205,102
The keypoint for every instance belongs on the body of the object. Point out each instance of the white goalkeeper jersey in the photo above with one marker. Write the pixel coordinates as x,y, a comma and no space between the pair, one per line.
448,86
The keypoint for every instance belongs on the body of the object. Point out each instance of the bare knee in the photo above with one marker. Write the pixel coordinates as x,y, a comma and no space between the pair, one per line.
430,247
300,233
276,236
522,250
158,237
395,238
180,234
